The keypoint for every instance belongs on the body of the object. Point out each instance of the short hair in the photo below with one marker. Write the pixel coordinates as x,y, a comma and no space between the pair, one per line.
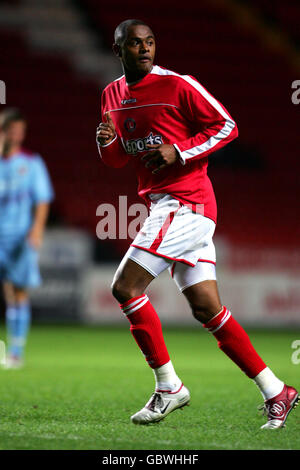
122,30
10,115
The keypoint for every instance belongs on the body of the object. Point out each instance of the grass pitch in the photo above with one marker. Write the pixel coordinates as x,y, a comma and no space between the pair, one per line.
81,385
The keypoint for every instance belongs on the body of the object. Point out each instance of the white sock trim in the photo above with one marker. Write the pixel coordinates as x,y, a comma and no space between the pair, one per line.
135,305
225,318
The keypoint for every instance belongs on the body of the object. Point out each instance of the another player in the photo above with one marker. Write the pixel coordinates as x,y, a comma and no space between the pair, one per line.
25,194
168,124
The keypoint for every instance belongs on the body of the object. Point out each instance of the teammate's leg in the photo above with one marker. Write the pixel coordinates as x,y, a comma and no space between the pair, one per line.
128,288
205,303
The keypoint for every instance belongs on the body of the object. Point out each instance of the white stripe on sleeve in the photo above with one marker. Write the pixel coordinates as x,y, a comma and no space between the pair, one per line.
213,140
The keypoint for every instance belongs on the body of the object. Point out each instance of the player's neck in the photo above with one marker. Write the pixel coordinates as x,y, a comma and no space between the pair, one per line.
134,77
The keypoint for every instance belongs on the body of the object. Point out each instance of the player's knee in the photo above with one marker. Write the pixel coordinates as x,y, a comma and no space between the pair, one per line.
21,295
123,292
203,313
14,295
117,290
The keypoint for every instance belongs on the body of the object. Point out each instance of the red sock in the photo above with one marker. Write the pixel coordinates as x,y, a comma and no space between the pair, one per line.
234,341
145,327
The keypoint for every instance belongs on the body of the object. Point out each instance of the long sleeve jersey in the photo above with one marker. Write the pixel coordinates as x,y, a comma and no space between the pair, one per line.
165,107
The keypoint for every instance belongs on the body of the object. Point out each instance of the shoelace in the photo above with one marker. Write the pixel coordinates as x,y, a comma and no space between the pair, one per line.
156,400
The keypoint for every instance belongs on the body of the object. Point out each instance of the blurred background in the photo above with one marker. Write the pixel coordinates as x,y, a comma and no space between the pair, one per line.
55,60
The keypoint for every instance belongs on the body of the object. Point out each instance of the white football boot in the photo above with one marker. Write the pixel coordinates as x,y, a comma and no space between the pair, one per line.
160,405
13,362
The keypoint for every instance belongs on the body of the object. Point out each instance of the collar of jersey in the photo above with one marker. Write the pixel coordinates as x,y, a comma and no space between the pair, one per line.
139,81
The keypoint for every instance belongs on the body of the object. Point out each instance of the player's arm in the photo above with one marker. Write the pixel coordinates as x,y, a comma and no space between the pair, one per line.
4,147
36,233
2,141
203,112
109,143
216,126
42,194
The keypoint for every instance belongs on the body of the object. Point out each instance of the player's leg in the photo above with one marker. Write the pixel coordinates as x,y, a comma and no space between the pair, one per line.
10,317
136,271
205,303
22,272
18,318
134,274
206,307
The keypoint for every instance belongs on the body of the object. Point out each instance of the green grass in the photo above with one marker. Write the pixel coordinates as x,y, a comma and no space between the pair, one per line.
81,385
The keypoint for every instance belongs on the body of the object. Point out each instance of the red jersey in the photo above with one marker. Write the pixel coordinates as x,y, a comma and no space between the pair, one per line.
167,108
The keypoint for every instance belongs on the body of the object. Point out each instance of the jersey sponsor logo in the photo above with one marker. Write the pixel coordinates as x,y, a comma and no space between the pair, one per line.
130,124
11,185
135,146
131,100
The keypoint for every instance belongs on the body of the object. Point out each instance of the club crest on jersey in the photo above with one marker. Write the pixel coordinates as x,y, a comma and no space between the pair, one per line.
140,145
130,124
22,170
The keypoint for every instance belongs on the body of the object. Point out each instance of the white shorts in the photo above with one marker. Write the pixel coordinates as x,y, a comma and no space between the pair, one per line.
175,237
177,233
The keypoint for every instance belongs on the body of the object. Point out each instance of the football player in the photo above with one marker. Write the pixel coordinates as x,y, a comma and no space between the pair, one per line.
25,194
168,124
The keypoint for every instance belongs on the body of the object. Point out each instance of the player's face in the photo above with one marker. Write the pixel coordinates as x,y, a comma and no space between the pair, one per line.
138,51
15,133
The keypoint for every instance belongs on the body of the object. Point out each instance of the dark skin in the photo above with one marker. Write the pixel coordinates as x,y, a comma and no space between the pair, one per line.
137,54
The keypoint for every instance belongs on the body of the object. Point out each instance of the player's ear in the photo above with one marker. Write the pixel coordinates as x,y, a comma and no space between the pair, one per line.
117,50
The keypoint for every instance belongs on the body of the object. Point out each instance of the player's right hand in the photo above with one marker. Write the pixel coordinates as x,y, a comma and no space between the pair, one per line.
106,131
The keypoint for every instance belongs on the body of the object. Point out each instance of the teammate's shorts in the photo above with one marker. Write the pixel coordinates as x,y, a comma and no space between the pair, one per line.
19,264
177,238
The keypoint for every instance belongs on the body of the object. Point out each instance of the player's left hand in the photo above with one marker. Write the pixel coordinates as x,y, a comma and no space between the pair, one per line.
161,156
